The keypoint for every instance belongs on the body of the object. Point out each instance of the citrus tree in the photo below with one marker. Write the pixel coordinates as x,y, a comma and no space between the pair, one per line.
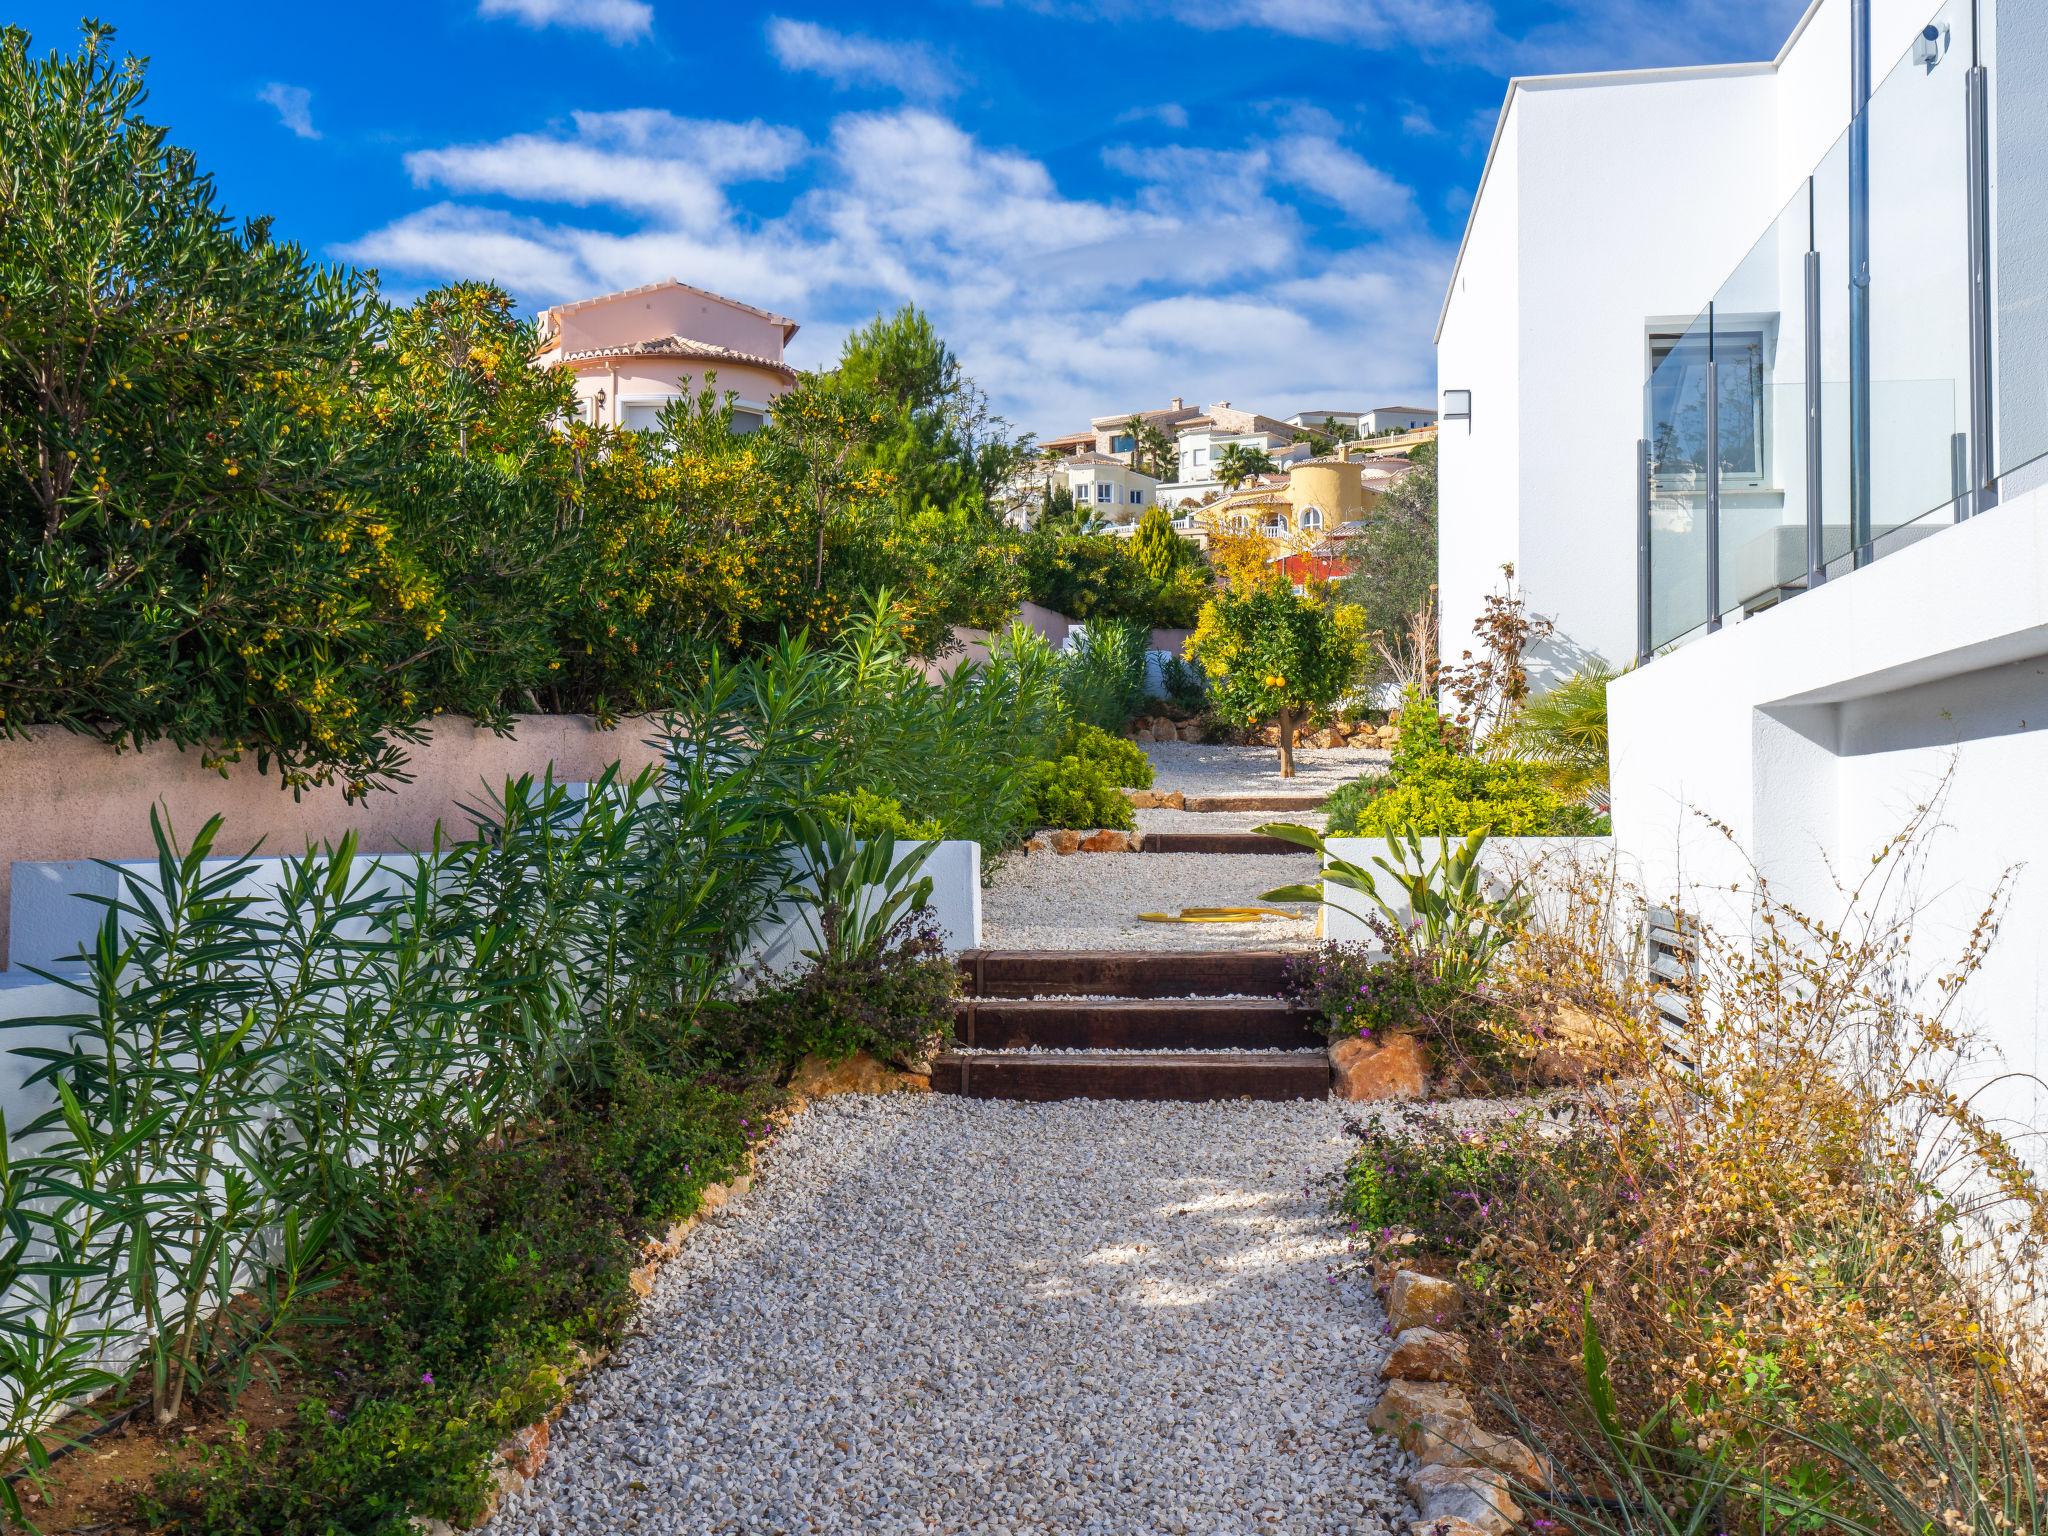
1273,655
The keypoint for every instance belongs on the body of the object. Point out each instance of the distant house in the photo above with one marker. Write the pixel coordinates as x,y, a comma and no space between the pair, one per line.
635,351
1116,492
1395,418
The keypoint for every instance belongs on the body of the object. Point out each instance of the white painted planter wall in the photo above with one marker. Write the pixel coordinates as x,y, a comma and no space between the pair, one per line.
1545,863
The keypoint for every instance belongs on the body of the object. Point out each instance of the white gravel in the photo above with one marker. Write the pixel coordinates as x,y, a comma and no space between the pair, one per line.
935,1315
1198,769
1092,900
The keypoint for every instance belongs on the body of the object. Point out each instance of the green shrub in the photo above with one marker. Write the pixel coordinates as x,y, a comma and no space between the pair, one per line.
1124,761
874,815
1076,792
896,1004
518,1251
1102,676
425,1452
1419,1174
1435,787
1358,991
664,1138
1456,796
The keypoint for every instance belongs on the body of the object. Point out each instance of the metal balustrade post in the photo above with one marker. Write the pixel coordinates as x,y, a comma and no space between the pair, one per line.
1860,531
1713,481
1643,624
1816,539
1983,468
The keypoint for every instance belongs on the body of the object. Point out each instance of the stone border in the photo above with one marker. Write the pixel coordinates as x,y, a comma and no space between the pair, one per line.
1462,1486
1101,840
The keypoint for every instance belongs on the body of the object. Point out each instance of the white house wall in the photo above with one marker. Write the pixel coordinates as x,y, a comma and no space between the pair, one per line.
1612,203
1811,732
1479,349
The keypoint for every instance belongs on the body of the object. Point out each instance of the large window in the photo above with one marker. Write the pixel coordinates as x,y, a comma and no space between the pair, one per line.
1104,491
1123,442
640,415
1678,402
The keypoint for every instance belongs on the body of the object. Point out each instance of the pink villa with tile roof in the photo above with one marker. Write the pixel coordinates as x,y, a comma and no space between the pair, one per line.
633,352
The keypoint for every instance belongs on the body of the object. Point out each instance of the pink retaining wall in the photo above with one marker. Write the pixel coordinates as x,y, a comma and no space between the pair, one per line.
64,796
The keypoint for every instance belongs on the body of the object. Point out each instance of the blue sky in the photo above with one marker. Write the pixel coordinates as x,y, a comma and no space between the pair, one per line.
1103,203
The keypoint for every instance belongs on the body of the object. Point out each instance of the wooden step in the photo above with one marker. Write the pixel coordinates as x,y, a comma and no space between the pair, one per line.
1151,1075
1218,842
1123,972
1163,1024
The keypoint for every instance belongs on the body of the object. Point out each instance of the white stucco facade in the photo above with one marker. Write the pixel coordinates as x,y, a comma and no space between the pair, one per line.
1796,740
1613,208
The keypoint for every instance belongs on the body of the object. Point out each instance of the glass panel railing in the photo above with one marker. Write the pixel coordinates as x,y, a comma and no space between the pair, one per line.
2015,47
1675,424
1759,319
1919,278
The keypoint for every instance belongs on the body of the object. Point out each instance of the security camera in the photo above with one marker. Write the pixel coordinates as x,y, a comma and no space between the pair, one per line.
1930,45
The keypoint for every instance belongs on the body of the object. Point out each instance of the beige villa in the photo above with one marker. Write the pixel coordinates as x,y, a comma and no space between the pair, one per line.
633,352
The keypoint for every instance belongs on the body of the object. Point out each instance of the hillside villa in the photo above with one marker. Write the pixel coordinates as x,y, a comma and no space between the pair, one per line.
633,352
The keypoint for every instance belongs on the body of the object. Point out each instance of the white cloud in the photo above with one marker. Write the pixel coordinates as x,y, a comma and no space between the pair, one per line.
1170,114
849,59
1191,271
619,21
294,104
641,161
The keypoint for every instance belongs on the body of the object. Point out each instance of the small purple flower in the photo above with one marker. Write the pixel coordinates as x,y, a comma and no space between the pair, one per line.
426,1378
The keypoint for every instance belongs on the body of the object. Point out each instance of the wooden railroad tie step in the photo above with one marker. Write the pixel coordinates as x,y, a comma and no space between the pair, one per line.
1035,1077
1157,1024
1026,973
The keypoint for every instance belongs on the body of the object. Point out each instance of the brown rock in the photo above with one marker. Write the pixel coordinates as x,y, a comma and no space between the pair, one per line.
1415,1300
1143,799
1035,845
817,1078
526,1449
1190,730
1472,1494
1173,800
1427,1354
1409,1402
1064,840
1446,1440
1394,1068
1165,730
1106,841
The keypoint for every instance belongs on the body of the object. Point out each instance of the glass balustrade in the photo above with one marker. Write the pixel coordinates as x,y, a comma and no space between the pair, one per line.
1760,479
2014,45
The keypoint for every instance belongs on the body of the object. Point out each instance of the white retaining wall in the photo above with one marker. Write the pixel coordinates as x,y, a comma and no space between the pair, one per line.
1545,863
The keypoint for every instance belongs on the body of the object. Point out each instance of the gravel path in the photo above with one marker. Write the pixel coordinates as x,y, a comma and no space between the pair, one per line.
1092,900
1197,769
936,1315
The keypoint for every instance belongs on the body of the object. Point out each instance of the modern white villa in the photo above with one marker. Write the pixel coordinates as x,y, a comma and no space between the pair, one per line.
1745,370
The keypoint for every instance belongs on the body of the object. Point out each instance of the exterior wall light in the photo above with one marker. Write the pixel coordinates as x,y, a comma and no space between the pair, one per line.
1457,405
